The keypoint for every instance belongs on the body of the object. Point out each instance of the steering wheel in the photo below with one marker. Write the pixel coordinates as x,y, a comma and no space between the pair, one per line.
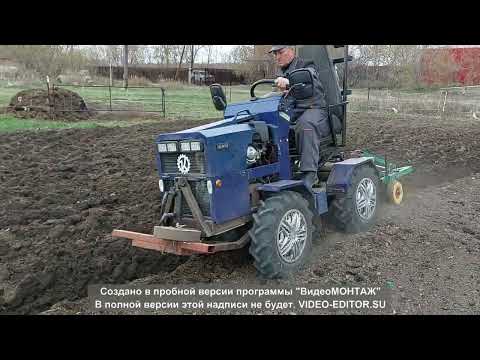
259,82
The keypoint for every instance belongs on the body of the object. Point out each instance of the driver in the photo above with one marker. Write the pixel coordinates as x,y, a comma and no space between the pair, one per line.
311,114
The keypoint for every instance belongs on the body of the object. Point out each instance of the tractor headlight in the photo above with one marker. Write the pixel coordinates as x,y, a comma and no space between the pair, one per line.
185,146
162,148
172,147
167,147
161,185
252,155
196,146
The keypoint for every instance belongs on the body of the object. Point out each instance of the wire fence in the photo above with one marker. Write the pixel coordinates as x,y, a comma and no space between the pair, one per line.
462,101
183,102
194,102
107,98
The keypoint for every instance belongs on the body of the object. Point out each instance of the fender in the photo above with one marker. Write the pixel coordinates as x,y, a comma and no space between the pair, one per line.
340,177
317,197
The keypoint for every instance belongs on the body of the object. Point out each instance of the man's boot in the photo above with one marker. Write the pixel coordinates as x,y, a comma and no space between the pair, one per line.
310,178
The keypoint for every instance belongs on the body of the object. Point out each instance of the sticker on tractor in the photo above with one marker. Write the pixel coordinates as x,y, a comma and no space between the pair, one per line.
183,163
222,146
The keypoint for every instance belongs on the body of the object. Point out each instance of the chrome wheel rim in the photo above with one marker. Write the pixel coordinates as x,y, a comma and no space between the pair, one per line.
366,198
292,235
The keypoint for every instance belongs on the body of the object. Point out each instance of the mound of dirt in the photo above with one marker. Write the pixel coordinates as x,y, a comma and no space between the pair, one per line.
58,104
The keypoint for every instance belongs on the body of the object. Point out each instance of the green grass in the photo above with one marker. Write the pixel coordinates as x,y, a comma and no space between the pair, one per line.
192,102
10,123
6,94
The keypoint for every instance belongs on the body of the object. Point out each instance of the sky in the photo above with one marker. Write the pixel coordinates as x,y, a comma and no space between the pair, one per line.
222,50
202,56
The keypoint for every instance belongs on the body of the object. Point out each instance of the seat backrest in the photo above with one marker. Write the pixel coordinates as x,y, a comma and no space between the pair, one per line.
327,74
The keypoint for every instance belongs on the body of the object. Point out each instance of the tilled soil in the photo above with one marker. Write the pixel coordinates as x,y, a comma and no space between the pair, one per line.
62,194
426,250
64,191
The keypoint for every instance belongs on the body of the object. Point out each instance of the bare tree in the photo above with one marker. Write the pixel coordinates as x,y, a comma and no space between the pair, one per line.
191,64
210,52
125,66
46,60
241,54
180,62
388,65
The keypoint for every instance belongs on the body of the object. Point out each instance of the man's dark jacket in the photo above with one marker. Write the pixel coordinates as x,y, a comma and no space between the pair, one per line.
318,98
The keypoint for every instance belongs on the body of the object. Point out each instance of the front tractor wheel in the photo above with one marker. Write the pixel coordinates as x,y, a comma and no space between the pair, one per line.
281,236
357,210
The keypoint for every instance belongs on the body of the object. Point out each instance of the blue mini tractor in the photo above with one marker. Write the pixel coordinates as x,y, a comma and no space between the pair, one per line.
235,182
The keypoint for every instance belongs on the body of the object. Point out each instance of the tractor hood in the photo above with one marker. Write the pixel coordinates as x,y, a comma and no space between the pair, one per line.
206,132
262,109
265,107
224,146
222,158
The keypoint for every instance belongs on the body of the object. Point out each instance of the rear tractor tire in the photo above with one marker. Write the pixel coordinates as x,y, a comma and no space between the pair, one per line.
357,210
281,235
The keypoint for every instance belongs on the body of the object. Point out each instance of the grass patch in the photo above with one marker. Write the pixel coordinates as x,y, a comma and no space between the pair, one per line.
6,93
10,123
192,102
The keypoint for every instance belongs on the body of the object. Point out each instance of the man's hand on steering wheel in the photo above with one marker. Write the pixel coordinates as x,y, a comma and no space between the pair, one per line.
282,83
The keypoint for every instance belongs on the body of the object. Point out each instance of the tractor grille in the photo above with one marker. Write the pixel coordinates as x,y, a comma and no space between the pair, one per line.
200,193
169,162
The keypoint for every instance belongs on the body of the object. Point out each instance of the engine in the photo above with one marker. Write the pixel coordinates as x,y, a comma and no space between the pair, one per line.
262,151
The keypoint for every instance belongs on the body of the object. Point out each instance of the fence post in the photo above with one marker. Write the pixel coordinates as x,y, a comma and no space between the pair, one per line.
444,102
110,93
163,102
368,99
439,102
53,107
49,99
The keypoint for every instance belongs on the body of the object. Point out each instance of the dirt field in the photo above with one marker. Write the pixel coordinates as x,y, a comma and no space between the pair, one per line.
64,191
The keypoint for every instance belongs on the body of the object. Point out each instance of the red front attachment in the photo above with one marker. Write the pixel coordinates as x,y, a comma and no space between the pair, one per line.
151,242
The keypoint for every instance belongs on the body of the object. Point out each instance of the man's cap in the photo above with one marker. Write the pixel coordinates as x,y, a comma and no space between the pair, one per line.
279,47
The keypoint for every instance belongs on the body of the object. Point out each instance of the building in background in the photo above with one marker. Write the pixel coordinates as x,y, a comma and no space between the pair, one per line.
450,65
262,64
203,74
9,69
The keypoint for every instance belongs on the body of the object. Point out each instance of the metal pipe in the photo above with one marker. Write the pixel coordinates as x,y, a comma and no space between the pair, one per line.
110,92
345,74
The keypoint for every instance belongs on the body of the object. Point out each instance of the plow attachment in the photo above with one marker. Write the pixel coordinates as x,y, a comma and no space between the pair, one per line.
390,172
